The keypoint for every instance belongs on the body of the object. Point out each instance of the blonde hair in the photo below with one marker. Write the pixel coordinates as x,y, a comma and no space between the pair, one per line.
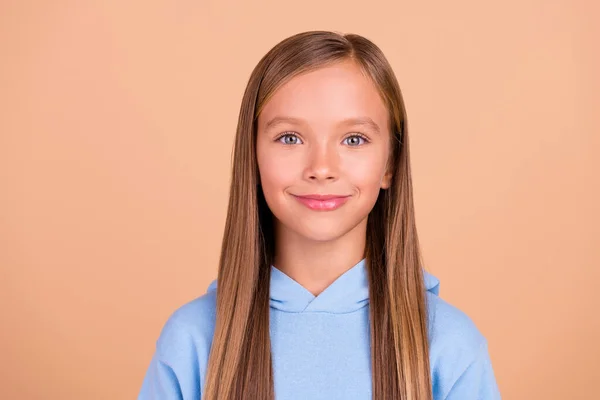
239,365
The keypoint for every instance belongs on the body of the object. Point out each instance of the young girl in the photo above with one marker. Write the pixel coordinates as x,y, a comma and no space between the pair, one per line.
321,292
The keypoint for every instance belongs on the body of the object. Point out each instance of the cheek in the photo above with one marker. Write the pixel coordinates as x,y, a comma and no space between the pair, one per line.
366,173
277,172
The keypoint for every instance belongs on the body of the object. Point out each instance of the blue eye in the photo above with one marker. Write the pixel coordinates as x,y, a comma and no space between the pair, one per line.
354,140
289,139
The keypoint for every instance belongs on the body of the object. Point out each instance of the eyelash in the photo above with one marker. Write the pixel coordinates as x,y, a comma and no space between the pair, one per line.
294,134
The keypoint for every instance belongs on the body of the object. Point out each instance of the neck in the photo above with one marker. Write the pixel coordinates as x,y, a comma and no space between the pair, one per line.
317,264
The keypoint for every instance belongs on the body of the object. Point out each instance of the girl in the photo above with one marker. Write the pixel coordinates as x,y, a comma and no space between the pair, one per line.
321,292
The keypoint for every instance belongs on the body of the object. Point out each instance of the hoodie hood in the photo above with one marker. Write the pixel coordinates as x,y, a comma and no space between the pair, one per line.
347,293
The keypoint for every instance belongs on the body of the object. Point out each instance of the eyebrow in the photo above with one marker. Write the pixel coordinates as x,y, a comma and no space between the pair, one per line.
282,120
361,121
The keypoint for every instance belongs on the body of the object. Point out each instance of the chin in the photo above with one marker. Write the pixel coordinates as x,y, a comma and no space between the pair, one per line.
326,232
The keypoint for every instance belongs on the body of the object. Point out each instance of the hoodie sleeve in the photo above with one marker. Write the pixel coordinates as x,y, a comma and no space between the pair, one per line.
477,382
173,372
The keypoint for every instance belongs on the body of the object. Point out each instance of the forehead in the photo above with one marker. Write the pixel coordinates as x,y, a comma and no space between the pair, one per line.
327,95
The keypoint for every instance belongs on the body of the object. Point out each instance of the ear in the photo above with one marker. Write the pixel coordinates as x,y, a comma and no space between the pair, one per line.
387,180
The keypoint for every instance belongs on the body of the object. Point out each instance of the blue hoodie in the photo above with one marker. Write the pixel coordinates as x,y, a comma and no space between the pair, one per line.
320,345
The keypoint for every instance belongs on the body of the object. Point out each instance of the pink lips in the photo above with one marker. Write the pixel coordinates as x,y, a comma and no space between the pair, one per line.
319,202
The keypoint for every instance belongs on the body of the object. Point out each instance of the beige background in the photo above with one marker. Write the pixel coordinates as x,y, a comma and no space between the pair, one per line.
116,129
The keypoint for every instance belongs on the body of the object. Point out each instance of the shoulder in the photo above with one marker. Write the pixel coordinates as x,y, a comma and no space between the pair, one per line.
452,333
456,345
189,328
181,356
451,329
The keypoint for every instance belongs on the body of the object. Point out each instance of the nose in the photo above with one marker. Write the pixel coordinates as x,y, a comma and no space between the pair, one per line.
323,163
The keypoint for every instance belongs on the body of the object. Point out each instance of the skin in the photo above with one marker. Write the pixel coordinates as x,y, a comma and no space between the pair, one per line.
313,139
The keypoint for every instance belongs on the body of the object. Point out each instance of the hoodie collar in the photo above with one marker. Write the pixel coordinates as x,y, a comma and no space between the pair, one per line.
347,293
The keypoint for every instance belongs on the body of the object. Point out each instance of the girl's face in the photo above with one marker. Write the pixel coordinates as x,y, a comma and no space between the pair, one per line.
322,148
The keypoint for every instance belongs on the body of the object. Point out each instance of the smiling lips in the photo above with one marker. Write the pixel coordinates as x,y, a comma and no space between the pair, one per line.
319,202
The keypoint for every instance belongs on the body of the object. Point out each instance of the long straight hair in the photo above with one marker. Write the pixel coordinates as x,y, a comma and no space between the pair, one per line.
240,365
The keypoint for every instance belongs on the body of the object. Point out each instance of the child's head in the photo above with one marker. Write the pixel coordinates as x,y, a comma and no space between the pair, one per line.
322,115
324,133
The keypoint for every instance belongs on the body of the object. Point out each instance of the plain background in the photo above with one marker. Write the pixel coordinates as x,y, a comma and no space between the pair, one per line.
116,130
